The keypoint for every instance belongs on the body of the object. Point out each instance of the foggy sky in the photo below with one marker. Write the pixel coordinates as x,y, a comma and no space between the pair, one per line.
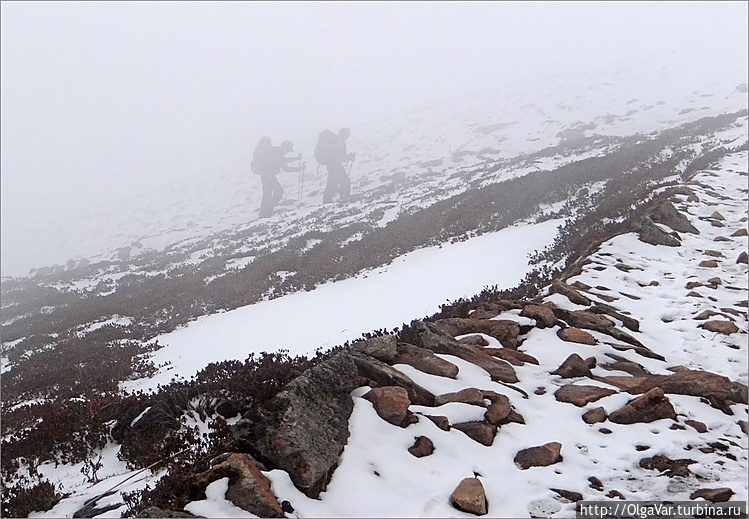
99,98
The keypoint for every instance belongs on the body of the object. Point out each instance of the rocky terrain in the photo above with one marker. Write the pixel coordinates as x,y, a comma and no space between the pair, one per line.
616,369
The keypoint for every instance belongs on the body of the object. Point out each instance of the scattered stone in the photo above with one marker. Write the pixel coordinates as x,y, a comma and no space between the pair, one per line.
377,374
743,258
249,489
156,512
615,494
714,495
469,496
505,331
721,238
543,315
498,411
574,366
431,337
515,357
474,340
717,216
640,448
440,421
570,293
424,360
595,483
649,407
668,466
697,426
605,430
481,432
724,327
628,322
391,404
581,395
469,395
709,264
541,456
652,234
540,390
740,232
422,447
568,494
714,254
744,425
577,335
596,415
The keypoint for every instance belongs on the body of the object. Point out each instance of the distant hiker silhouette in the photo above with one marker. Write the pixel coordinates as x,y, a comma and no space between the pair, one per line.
331,152
267,161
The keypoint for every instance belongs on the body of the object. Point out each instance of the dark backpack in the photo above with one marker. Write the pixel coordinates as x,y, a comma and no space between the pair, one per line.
325,149
261,157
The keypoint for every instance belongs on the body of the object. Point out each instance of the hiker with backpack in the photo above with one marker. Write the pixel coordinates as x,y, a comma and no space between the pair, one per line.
267,161
332,153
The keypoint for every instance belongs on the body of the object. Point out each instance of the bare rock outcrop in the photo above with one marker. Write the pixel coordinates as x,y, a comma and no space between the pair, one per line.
650,233
304,428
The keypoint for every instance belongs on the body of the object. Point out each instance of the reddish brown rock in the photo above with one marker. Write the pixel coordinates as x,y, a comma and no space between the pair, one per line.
391,404
249,489
498,411
440,421
505,331
424,360
714,495
572,334
697,426
541,456
469,496
574,366
724,327
422,447
596,415
570,293
646,408
469,395
669,467
514,357
543,315
709,264
568,494
581,395
481,432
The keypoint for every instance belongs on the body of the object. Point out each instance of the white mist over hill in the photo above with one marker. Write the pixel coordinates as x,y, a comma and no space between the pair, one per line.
127,120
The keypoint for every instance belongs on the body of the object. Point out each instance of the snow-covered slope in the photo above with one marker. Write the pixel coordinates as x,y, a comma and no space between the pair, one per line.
670,291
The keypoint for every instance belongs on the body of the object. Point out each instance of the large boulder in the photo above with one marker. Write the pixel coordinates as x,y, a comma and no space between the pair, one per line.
543,315
304,428
382,348
665,213
650,233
